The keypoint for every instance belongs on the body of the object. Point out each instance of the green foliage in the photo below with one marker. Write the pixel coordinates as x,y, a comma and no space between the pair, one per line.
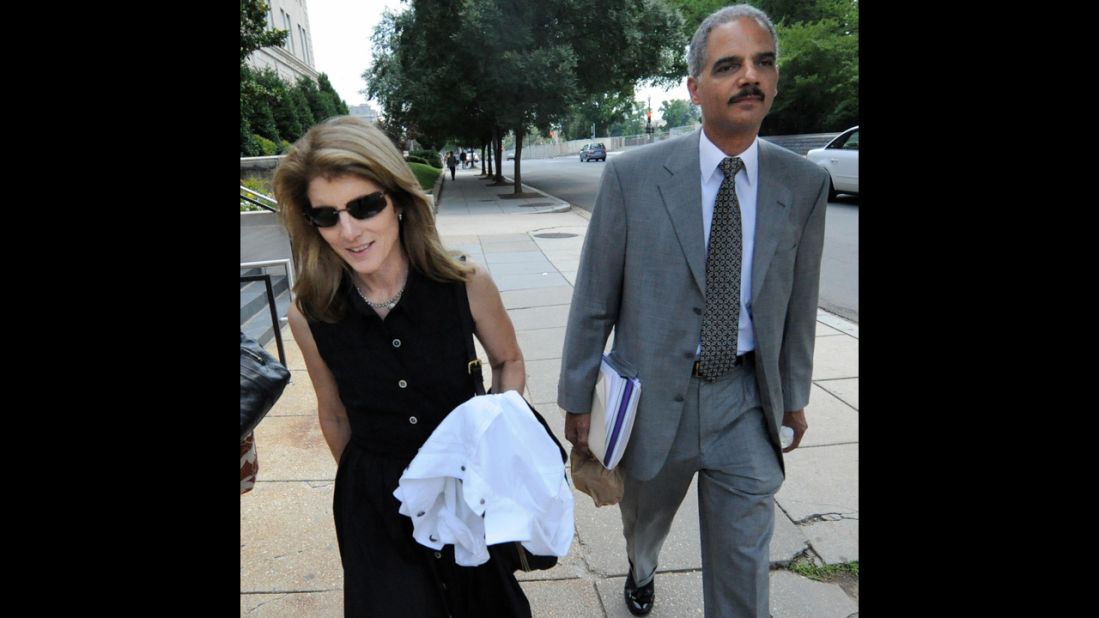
253,29
301,107
533,61
248,145
278,99
430,157
823,573
267,147
412,159
280,112
332,98
320,103
818,73
602,110
680,113
425,174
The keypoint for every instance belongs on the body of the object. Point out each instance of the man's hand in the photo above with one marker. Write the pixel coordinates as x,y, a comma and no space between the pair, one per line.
795,420
576,431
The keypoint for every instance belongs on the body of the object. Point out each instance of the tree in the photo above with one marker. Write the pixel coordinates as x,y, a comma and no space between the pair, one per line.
632,122
337,105
533,62
253,29
679,113
320,103
277,95
818,73
255,105
601,110
551,55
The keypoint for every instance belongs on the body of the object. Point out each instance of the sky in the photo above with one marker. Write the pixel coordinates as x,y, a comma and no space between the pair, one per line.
341,41
341,48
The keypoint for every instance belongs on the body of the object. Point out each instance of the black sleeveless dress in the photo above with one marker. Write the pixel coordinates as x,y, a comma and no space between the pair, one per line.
398,378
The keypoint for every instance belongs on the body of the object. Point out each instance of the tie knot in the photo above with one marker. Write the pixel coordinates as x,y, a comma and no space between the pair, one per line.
731,165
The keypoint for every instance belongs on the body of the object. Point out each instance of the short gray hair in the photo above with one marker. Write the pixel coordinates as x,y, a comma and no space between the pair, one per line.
696,56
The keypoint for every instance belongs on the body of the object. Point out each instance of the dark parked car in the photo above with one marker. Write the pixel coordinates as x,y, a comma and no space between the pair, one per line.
593,151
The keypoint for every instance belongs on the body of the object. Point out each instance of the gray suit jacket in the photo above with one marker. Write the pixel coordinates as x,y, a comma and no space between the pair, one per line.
642,272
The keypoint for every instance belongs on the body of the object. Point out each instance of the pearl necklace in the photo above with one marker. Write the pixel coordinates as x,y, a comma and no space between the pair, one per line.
385,304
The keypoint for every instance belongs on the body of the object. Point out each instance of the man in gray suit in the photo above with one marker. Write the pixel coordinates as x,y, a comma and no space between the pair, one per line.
703,254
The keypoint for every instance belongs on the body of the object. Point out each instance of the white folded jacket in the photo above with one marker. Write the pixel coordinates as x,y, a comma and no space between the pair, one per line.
488,474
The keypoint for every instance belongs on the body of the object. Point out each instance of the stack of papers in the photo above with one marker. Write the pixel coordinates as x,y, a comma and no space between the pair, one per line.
613,409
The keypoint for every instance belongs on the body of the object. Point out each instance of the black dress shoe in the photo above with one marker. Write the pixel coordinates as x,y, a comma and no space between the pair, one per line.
639,600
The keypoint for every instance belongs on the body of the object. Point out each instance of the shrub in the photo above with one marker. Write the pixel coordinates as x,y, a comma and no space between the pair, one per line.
430,157
412,159
267,147
426,174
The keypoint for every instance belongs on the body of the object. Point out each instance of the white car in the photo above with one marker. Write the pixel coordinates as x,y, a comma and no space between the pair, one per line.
841,158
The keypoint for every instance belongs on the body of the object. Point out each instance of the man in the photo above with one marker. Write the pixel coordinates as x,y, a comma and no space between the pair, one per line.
703,253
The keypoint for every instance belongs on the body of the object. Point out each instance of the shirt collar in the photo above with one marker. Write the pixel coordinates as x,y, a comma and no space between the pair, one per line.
710,156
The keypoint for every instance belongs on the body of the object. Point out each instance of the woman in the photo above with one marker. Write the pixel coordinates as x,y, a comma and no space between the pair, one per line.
376,318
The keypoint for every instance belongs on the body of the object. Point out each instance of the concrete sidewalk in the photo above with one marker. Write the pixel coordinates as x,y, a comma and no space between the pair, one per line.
290,562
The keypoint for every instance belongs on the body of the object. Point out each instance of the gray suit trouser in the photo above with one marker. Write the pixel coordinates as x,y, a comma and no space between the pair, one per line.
721,436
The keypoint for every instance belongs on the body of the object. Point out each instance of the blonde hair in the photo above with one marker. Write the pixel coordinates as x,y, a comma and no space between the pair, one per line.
350,146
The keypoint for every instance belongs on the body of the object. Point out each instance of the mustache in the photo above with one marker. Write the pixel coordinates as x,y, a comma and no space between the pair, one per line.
748,91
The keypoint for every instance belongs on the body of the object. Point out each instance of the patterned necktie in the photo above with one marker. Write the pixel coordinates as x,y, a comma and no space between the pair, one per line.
721,319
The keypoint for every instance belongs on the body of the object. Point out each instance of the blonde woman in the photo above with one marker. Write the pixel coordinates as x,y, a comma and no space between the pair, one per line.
377,318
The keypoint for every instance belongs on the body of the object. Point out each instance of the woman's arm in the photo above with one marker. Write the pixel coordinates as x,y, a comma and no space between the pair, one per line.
493,328
330,410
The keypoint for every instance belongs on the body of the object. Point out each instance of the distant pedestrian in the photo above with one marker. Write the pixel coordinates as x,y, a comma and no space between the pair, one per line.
451,162
462,158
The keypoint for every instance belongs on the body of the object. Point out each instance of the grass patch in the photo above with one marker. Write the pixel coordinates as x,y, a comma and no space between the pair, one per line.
824,573
425,174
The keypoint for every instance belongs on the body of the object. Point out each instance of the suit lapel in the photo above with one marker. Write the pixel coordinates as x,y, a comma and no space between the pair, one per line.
771,201
681,192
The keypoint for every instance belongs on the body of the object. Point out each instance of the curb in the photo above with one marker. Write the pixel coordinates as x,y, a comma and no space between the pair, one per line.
841,324
437,192
562,207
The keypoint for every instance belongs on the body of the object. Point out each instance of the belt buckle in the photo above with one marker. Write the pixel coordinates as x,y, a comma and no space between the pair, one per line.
696,372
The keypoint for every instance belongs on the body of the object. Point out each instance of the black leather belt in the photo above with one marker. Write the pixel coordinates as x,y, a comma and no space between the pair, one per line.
696,371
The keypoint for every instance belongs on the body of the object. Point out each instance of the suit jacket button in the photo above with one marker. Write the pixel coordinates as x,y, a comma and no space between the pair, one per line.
698,311
679,397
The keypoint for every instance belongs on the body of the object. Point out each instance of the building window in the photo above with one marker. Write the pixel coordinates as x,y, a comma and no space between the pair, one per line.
304,46
289,30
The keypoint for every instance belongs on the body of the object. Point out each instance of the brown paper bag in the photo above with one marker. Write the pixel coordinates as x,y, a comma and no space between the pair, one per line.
589,476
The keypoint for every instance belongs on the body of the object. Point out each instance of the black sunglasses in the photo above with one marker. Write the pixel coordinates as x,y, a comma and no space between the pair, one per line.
361,208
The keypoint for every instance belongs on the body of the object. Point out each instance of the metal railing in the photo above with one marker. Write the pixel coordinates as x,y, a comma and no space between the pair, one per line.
276,321
252,197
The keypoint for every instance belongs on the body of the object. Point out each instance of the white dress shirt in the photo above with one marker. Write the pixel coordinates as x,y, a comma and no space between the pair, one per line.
747,188
488,474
